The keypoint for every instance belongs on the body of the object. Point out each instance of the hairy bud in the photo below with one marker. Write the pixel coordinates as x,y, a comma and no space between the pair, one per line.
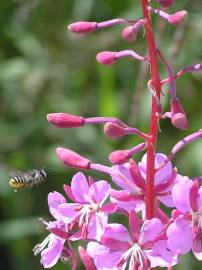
72,159
113,130
82,27
64,120
106,58
177,17
178,116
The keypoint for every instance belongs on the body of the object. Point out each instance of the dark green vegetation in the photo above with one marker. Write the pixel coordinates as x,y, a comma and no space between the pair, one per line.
44,69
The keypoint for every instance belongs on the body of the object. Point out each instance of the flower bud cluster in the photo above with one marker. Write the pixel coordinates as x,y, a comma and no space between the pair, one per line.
145,243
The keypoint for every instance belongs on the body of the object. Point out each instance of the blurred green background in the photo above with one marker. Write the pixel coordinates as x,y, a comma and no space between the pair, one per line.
44,69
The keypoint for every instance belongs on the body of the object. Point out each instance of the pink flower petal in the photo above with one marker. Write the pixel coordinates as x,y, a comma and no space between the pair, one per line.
100,191
181,191
97,225
117,232
180,236
51,254
109,208
150,230
163,174
124,169
54,200
167,200
109,261
197,249
200,199
95,249
161,256
138,206
80,188
68,212
104,259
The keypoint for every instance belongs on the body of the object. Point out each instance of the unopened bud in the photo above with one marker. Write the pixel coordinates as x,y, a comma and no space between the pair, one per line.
72,159
129,34
82,27
178,116
119,156
177,17
113,130
106,58
165,3
64,120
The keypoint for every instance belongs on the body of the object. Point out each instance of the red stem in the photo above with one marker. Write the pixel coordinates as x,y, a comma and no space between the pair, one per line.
153,126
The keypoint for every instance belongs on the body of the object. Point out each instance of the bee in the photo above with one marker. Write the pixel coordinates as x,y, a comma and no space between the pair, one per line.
26,180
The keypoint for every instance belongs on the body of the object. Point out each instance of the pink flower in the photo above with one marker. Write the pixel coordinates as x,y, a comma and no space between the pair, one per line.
187,197
139,250
133,185
56,249
88,212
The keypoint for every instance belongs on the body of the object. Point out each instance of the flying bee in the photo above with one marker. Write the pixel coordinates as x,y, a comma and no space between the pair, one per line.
26,180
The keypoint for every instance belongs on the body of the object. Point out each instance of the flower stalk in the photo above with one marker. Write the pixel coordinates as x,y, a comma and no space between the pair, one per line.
154,236
154,119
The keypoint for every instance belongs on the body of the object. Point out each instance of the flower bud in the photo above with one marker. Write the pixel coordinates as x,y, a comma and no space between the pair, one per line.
124,195
129,34
119,156
113,130
86,259
178,116
64,120
177,17
165,3
106,58
72,159
82,27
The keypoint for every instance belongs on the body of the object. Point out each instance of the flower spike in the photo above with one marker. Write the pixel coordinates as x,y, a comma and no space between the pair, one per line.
141,187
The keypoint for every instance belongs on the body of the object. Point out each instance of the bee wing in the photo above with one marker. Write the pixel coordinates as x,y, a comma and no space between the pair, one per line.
17,173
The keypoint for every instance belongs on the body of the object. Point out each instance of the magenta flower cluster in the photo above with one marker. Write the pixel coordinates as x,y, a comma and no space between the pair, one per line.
144,243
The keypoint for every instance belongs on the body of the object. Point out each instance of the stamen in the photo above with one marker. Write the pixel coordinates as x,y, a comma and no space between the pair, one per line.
39,247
